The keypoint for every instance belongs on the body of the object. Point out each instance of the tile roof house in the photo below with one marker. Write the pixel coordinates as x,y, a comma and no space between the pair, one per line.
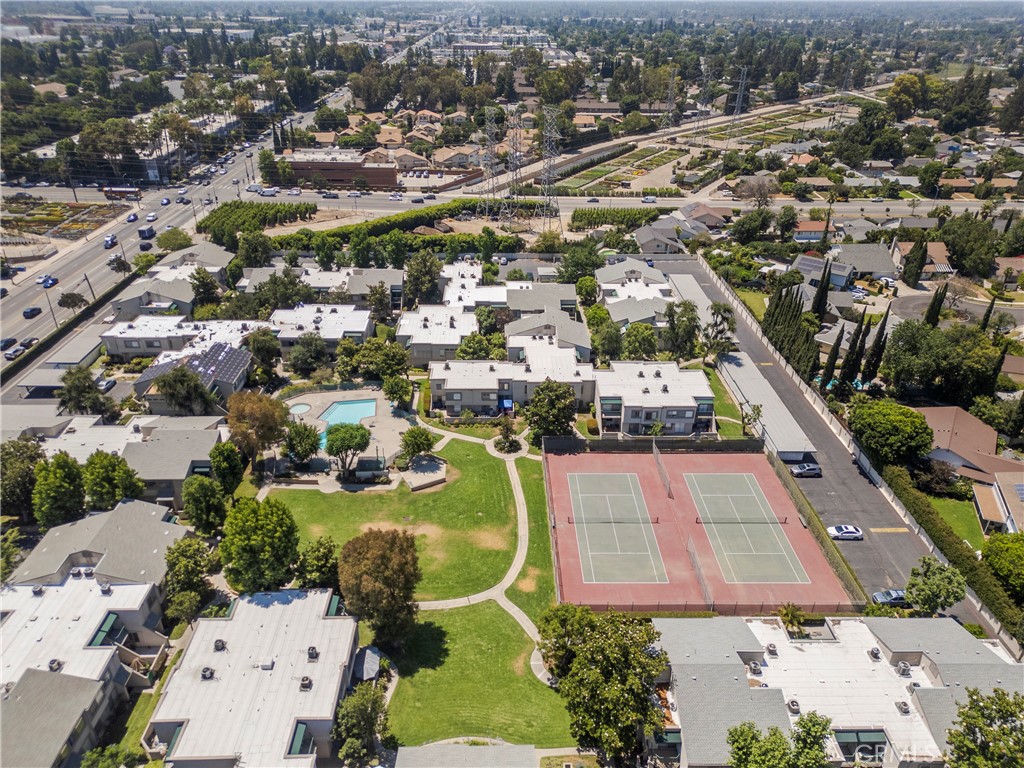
936,258
967,443
390,137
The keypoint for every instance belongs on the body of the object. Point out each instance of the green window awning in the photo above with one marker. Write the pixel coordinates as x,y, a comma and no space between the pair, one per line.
669,737
100,638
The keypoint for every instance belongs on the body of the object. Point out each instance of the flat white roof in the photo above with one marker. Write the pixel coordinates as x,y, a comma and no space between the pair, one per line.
251,706
435,324
634,289
335,320
59,625
84,436
841,681
197,337
661,385
466,289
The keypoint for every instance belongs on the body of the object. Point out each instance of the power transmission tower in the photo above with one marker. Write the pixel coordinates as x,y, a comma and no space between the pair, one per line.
836,121
703,104
738,107
488,201
551,134
510,209
668,115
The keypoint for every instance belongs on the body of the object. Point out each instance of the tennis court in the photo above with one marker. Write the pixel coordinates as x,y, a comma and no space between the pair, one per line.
747,537
614,530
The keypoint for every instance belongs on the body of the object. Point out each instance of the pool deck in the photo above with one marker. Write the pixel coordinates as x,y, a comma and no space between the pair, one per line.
386,427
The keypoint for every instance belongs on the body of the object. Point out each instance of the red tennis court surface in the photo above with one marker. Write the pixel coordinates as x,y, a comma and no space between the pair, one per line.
674,523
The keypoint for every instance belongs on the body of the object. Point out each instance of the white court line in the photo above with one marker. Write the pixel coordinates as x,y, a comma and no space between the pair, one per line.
773,520
743,526
691,483
643,526
586,537
615,531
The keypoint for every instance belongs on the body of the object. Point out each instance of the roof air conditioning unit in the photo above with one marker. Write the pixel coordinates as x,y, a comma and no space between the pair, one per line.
903,707
639,374
76,573
88,572
491,368
764,685
755,667
55,665
657,373
912,688
334,310
527,369
38,589
319,309
875,653
903,669
267,664
646,390
312,654
105,588
207,673
245,326
306,684
773,650
447,366
664,387
219,645
793,706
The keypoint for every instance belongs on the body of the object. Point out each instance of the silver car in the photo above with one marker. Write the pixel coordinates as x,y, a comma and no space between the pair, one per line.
845,533
806,470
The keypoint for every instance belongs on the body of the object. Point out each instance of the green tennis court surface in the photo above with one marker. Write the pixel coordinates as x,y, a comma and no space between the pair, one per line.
749,540
614,530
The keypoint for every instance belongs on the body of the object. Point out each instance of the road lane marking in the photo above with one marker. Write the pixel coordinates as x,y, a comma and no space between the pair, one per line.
902,529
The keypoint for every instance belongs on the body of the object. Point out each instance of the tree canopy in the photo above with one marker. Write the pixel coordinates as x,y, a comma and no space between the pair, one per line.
302,441
18,459
988,731
256,421
345,442
261,543
59,493
107,479
934,586
552,410
203,504
1004,553
890,433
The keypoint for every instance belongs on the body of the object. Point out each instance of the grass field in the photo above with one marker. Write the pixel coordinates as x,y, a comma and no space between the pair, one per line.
724,406
534,590
130,723
466,672
754,301
961,517
465,529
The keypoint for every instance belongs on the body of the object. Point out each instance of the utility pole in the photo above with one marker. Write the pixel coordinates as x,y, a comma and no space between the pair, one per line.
50,305
90,286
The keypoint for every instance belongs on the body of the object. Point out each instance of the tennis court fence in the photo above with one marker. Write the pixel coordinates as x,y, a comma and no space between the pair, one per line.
706,443
724,608
698,569
571,520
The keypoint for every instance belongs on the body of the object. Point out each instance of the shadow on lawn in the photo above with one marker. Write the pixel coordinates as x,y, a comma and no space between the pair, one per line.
426,647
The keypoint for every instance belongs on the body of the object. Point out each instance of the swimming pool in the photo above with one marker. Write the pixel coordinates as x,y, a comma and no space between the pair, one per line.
347,412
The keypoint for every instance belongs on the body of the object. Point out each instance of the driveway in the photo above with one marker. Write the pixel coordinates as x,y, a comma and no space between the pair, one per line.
843,494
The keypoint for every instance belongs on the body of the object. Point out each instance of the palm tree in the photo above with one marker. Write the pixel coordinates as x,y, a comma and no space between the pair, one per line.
793,618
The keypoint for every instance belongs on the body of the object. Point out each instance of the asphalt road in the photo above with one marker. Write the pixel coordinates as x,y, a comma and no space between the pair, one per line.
843,494
915,306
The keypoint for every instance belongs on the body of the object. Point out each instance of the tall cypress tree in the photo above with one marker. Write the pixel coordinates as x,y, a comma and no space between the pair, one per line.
913,265
874,357
820,302
859,354
988,314
833,356
932,314
848,369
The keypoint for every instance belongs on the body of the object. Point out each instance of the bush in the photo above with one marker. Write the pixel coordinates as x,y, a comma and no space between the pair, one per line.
224,224
979,575
592,428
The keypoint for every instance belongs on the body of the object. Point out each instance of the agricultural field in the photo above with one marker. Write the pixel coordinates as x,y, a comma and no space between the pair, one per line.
68,221
662,158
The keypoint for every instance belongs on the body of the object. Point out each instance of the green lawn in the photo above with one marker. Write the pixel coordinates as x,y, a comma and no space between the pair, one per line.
961,517
246,489
465,529
127,733
466,672
754,301
534,590
724,404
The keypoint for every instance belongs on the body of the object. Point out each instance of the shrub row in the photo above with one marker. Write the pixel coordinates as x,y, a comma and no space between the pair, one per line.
835,558
595,161
225,222
977,572
631,218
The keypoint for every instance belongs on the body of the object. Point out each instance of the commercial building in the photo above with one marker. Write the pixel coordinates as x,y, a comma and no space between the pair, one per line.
341,168
258,687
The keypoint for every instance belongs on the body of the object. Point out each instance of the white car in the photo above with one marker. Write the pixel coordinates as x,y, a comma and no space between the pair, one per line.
42,279
354,193
151,217
294,191
182,191
846,533
395,198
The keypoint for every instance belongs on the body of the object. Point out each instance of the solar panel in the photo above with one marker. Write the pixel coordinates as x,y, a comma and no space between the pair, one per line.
1019,487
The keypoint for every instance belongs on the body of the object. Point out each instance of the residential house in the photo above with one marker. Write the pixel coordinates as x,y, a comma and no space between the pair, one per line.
585,123
1000,506
222,368
817,183
433,332
554,325
456,118
667,234
333,322
868,260
936,258
967,443
632,397
876,168
427,116
168,457
377,156
324,138
260,685
813,231
525,299
390,137
171,336
407,160
1013,366
1009,269
458,157
153,296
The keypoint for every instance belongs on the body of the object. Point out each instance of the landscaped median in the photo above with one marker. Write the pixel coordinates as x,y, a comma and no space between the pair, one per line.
465,528
466,672
534,588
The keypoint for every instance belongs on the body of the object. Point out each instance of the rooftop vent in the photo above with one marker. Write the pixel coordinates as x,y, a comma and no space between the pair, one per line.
875,653
55,665
312,654
903,669
207,673
447,366
646,390
664,387
527,367
657,373
755,667
426,323
76,573
903,707
772,649
793,706
267,664
334,310
245,326
306,683
451,321
38,589
640,374
219,645
105,588
317,320
913,687
300,327
88,572
490,368
319,309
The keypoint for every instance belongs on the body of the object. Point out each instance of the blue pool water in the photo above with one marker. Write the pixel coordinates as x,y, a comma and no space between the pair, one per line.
347,412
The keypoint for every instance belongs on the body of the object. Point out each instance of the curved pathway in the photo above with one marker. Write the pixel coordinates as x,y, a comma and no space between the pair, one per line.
497,592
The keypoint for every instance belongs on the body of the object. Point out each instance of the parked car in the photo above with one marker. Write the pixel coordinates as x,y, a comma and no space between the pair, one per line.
31,312
897,598
50,282
3,293
806,470
151,217
845,533
7,343
133,217
649,262
105,385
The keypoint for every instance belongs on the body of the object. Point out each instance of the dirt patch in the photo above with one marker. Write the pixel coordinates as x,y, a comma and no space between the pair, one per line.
324,218
528,582
431,531
316,530
521,662
490,538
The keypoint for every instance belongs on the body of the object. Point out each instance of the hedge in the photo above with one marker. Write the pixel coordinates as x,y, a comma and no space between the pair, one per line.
631,218
979,575
224,223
